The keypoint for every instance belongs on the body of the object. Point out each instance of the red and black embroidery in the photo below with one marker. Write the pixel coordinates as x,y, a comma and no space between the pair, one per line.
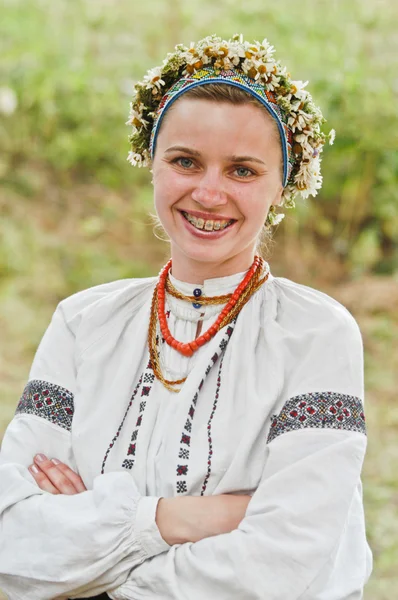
147,380
148,377
210,440
48,401
181,486
329,410
121,424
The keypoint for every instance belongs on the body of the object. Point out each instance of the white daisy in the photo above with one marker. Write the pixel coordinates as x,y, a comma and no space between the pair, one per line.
136,159
299,120
275,219
273,83
309,178
298,91
302,139
135,116
153,78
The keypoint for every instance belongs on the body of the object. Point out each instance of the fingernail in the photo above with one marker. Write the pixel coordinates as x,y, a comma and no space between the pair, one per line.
40,457
56,461
34,468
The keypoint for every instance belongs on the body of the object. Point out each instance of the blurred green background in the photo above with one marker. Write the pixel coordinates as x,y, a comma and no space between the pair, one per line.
74,213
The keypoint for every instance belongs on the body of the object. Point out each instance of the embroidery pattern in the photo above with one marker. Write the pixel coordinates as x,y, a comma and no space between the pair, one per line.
148,377
121,424
182,469
329,410
48,401
209,458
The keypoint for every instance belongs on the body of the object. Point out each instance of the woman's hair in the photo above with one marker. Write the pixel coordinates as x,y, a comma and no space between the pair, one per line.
218,92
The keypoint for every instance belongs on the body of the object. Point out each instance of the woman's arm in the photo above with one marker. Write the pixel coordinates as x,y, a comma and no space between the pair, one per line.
64,545
303,536
194,518
180,520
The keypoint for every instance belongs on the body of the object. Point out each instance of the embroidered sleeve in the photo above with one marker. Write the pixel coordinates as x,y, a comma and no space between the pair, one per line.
321,410
48,401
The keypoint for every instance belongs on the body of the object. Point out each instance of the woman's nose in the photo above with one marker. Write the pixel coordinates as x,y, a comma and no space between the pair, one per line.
209,196
209,192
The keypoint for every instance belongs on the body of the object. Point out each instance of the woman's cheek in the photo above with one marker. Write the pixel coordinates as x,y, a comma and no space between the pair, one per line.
173,185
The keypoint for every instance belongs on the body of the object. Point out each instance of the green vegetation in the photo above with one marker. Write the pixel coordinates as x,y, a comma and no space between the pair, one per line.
74,213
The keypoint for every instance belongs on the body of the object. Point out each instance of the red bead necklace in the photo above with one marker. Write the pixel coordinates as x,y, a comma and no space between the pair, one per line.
187,349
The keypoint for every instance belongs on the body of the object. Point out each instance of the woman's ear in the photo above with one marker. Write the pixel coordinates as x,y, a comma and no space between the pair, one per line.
278,196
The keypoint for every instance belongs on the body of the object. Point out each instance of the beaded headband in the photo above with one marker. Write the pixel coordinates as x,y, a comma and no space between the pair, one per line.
237,79
251,67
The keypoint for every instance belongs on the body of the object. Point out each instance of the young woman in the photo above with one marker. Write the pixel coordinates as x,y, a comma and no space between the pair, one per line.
199,434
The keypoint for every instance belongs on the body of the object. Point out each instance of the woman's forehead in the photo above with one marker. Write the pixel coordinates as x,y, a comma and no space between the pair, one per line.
190,120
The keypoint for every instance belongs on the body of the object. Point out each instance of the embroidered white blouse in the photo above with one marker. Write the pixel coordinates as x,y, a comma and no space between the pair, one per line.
272,407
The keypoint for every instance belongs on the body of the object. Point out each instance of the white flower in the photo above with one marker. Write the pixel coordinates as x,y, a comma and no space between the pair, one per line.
284,73
136,159
237,51
153,79
299,120
247,65
332,136
8,101
237,37
136,115
273,83
309,178
302,139
267,47
298,90
275,219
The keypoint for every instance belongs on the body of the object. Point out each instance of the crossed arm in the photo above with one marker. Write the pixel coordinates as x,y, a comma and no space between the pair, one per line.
302,535
179,520
305,544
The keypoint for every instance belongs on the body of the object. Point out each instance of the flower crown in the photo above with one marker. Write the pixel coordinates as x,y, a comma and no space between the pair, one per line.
253,65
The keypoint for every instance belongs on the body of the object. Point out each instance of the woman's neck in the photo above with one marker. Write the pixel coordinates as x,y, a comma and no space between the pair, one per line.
190,270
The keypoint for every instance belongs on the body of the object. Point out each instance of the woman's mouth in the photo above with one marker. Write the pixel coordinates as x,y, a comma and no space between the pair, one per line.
208,225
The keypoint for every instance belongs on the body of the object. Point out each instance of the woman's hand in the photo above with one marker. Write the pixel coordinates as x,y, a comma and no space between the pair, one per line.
182,519
55,477
193,518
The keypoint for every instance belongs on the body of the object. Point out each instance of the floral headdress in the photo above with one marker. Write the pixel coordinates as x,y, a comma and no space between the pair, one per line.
251,67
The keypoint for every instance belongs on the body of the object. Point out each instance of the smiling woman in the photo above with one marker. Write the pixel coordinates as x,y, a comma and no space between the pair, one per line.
195,173
199,434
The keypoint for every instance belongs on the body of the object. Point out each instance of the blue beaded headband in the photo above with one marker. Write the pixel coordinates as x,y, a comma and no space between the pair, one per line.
238,79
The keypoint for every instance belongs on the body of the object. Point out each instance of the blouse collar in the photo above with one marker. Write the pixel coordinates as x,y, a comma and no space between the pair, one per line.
216,286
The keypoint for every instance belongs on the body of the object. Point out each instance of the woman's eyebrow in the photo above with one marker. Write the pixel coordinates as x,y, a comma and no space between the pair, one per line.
182,149
233,158
245,159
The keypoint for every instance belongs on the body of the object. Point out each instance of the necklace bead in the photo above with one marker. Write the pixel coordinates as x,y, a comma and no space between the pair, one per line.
234,303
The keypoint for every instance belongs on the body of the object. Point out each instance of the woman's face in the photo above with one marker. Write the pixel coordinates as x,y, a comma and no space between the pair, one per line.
215,162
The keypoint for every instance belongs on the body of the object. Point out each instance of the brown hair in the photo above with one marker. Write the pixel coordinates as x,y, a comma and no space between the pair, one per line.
217,92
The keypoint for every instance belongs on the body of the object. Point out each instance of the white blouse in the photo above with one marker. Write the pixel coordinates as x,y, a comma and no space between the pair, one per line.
272,407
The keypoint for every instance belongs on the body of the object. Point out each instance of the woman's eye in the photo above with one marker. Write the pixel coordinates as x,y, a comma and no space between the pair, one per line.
184,162
243,172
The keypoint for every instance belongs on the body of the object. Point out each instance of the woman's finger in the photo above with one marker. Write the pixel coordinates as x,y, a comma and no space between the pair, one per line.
55,475
71,475
42,480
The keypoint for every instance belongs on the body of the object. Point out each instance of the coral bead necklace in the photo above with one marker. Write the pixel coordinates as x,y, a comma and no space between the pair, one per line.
240,296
